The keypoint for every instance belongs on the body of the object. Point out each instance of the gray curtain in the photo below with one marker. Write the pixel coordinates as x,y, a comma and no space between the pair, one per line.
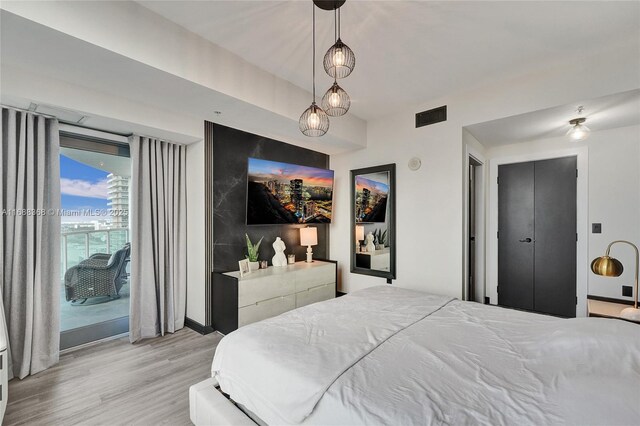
158,237
30,237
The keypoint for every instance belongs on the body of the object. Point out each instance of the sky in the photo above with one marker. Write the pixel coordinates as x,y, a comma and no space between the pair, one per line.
82,187
371,184
263,170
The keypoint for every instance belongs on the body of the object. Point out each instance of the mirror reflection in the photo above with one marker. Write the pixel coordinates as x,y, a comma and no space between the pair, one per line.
372,220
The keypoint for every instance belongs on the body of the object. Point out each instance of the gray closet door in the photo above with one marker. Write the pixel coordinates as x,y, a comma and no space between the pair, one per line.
555,236
515,235
537,236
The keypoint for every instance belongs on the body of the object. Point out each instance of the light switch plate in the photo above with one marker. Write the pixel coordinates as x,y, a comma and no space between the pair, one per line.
596,228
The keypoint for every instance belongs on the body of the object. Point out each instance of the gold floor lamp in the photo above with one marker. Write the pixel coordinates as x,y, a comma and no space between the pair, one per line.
608,266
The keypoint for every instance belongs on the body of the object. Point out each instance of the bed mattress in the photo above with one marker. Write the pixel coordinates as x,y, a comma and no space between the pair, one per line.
387,355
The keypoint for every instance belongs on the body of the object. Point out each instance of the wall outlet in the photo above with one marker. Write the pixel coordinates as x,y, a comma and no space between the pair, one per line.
596,228
627,290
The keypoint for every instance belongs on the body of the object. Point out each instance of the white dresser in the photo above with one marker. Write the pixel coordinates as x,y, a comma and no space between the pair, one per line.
238,301
380,260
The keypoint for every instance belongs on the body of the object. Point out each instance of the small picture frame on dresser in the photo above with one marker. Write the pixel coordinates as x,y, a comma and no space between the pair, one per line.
243,265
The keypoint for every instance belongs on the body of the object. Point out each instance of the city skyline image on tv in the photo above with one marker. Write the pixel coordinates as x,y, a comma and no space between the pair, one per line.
280,193
372,191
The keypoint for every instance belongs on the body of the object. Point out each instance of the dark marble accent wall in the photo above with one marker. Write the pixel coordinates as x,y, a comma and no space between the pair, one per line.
231,151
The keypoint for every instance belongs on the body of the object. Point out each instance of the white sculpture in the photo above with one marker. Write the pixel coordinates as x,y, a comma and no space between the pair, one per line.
370,246
279,259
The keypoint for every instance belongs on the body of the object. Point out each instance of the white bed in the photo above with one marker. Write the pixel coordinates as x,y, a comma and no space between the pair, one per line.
387,355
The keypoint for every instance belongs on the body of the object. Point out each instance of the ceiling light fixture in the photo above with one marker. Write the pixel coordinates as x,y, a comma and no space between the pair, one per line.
578,130
314,121
339,60
336,101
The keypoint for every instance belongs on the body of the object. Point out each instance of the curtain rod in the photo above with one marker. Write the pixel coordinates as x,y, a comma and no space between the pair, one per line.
26,110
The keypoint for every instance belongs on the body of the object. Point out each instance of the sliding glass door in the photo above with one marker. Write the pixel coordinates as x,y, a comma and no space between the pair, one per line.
95,240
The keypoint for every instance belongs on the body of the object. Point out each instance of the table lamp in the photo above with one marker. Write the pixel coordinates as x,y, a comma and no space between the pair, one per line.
309,237
359,236
608,266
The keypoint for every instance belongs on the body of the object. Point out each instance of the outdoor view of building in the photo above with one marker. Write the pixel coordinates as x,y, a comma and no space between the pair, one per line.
118,200
95,211
94,219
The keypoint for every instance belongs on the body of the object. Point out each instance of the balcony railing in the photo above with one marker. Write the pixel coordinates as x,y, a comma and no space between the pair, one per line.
79,245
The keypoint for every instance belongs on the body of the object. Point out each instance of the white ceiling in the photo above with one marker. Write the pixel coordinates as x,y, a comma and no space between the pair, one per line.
607,112
117,165
408,52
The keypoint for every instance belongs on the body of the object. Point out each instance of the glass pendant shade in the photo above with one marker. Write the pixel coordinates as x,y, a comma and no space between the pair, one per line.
578,131
336,101
314,121
339,60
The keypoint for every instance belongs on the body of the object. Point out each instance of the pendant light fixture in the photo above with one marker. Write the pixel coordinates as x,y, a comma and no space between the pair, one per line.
336,101
314,121
578,131
339,60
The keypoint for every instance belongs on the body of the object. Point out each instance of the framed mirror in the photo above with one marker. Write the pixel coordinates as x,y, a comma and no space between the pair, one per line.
373,226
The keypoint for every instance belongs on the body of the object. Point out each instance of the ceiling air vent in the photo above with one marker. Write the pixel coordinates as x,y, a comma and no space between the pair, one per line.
432,116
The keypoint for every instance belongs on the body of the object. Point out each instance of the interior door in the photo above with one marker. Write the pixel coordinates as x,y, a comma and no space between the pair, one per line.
515,235
555,236
537,236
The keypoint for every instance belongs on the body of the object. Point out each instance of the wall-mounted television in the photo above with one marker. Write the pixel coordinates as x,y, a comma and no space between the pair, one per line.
372,192
281,193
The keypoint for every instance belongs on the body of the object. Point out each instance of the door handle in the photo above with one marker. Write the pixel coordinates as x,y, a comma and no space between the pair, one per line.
526,240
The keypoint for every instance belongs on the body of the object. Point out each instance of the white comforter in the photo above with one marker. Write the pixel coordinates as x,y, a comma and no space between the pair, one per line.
386,355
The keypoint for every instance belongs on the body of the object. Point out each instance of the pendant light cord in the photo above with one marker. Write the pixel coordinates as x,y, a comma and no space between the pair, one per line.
338,22
335,26
313,15
335,35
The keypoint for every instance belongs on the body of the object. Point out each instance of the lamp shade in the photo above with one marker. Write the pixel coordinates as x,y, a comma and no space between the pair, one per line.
607,266
339,60
336,101
359,232
314,121
308,236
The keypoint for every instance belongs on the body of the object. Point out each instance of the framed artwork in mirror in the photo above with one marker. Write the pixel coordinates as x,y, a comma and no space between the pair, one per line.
373,221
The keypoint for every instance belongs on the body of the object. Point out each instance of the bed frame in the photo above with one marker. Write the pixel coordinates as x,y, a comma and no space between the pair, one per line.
209,406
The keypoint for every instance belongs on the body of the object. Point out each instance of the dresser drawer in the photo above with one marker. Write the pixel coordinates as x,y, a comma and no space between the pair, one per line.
252,291
265,309
315,294
315,276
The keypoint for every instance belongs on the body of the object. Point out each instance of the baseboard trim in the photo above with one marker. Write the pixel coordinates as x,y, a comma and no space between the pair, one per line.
197,327
610,299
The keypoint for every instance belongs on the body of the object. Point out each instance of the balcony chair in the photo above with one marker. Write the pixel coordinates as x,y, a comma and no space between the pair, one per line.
98,276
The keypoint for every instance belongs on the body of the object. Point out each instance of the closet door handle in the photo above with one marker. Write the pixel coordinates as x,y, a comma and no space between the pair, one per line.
526,240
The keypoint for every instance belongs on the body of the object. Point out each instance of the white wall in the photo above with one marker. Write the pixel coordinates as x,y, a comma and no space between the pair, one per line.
430,200
613,196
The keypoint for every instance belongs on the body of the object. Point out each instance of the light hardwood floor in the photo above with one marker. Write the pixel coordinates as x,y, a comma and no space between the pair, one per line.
116,383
